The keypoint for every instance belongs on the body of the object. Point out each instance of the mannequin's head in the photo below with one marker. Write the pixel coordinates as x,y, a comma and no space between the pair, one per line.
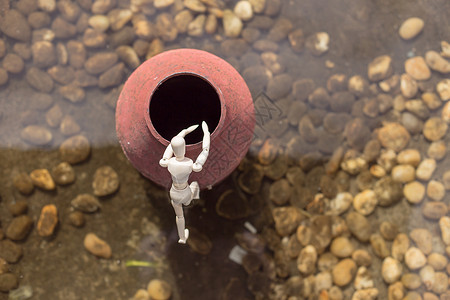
178,146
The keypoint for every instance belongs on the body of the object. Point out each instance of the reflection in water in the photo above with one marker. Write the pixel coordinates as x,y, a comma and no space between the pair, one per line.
345,182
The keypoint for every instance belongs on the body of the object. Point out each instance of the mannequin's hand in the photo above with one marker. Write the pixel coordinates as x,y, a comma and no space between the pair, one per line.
197,167
164,162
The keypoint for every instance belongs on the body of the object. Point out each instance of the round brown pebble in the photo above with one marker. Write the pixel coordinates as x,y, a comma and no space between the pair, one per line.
42,179
435,190
434,129
75,149
86,203
414,192
388,230
63,174
106,181
97,246
47,220
343,272
8,281
437,150
19,228
77,219
393,136
23,183
36,135
18,208
434,210
159,289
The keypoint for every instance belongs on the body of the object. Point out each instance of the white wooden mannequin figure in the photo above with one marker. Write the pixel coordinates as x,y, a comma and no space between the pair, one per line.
180,167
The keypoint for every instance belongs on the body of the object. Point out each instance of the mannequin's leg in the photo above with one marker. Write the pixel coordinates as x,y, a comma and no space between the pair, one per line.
182,232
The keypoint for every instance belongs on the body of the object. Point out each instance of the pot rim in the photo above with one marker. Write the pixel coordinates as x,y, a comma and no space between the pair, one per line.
219,126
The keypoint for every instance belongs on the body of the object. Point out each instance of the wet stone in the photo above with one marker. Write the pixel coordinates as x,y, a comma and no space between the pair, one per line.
39,80
61,74
388,191
280,192
69,126
388,230
75,149
101,62
437,261
443,89
318,43
410,28
234,47
343,272
54,116
112,77
102,6
277,169
77,219
86,203
159,289
13,63
10,251
232,205
357,133
18,208
42,179
391,270
297,40
359,226
380,68
434,129
436,62
232,24
379,245
435,190
365,202
341,247
286,219
426,169
199,242
302,88
3,77
408,86
97,246
358,86
43,53
77,54
341,203
63,174
8,281
412,123
411,281
393,136
279,86
306,262
403,173
409,157
444,225
342,102
418,108
414,258
47,220
15,26
423,239
23,183
72,93
434,210
19,228
307,130
63,29
432,100
417,68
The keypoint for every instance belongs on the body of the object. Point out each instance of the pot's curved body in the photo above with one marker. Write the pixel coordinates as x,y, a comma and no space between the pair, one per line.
177,89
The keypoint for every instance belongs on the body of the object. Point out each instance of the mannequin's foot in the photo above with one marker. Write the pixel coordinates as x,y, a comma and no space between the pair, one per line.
186,235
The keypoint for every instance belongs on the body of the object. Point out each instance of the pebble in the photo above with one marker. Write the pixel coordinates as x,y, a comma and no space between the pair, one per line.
61,74
414,258
388,230
341,203
423,239
434,210
232,25
39,80
366,294
141,294
42,179
15,25
318,43
426,169
18,208
400,246
63,29
443,89
417,68
297,40
100,62
388,191
341,247
391,270
77,54
23,183
403,173
412,123
163,3
414,192
13,63
306,262
47,220
77,219
379,245
273,62
54,116
258,5
196,27
211,24
393,136
199,242
97,246
243,10
429,296
408,86
19,228
380,68
428,276
411,281
444,225
159,289
3,76
431,100
10,251
409,157
86,203
436,62
112,77
363,279
445,115
377,171
99,22
232,205
279,86
75,149
365,202
72,93
280,192
435,190
323,281
106,181
286,219
343,272
359,226
418,108
8,281
440,284
434,129
437,261
69,126
410,28
102,6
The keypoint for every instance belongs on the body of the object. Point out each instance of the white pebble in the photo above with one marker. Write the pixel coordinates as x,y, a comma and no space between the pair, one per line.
244,11
391,270
414,258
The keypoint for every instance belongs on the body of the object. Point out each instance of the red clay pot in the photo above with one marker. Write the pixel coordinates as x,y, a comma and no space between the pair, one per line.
177,89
